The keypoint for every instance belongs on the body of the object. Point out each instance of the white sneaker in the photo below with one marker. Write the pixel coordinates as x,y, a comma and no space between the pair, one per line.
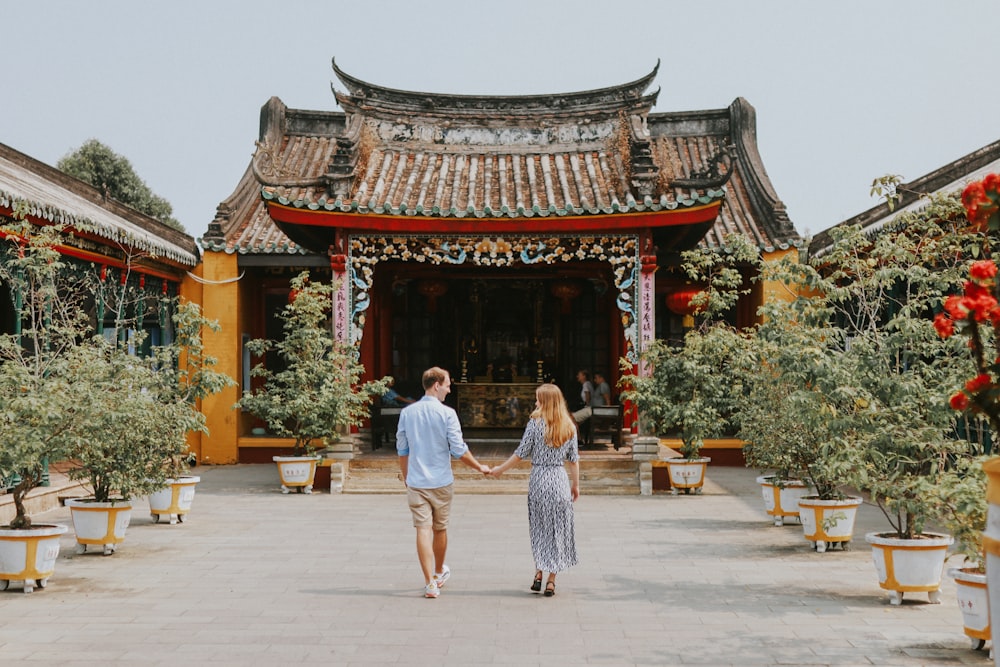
431,590
443,576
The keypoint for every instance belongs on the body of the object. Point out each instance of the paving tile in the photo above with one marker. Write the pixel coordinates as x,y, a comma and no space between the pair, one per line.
254,577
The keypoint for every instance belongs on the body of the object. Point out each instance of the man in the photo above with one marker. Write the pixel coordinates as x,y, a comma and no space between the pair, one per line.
586,397
602,391
429,432
392,398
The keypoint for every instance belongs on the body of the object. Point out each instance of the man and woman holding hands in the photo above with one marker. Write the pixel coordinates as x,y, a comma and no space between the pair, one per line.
430,435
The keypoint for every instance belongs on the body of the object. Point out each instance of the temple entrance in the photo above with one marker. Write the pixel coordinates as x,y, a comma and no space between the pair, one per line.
498,331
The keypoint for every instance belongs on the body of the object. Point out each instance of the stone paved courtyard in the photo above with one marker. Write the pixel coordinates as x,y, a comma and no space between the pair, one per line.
257,578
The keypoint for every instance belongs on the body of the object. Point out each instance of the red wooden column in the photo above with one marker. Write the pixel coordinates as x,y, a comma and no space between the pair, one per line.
647,318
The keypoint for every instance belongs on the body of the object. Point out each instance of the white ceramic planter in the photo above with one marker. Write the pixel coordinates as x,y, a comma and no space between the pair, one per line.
828,522
910,566
29,555
296,472
991,545
686,474
781,499
973,600
99,524
175,500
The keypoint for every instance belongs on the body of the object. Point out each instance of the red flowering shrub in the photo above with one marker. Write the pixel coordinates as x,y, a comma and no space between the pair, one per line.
970,312
982,203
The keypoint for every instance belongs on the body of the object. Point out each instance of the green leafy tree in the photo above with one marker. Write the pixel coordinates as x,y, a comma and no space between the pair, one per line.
143,409
42,405
795,415
67,393
97,164
886,377
689,389
319,390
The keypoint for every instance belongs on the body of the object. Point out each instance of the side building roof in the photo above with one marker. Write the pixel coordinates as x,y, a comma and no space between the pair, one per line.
951,177
452,157
55,197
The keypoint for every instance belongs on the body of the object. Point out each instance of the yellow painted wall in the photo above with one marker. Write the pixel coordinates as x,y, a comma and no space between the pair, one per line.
219,302
774,290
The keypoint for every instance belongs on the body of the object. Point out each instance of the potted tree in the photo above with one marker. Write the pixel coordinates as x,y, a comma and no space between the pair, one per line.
958,501
687,395
688,391
794,418
317,393
140,412
881,291
42,401
967,503
185,375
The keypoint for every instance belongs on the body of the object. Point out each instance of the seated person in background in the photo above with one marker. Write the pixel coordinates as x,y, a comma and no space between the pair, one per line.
586,397
602,390
392,399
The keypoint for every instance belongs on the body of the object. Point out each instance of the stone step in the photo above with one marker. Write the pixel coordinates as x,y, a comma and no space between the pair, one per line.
43,498
597,477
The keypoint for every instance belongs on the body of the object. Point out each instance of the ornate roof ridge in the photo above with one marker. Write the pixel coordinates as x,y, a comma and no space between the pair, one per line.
611,99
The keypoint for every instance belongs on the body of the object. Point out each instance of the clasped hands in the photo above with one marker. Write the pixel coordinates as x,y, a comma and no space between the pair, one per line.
490,472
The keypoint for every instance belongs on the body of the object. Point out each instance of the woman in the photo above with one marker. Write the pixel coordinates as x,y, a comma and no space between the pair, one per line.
549,441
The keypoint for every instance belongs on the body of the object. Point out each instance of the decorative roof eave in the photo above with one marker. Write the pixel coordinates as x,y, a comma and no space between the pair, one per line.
339,206
390,100
147,243
789,244
53,197
288,249
284,213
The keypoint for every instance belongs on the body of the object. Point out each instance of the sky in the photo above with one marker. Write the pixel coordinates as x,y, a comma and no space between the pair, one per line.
845,92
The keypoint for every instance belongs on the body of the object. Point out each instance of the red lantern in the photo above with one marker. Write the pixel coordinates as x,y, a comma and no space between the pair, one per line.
432,289
679,302
565,291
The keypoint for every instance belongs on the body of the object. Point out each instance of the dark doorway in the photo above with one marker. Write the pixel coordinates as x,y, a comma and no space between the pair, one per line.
501,326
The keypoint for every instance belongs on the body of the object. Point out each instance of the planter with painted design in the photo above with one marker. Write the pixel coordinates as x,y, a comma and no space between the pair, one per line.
29,555
781,496
973,600
297,472
174,501
826,523
910,565
100,524
686,474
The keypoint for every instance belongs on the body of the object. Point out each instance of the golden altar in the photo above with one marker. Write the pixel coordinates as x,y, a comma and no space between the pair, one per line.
494,404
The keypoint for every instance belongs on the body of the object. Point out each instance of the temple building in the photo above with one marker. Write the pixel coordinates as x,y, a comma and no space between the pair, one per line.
508,239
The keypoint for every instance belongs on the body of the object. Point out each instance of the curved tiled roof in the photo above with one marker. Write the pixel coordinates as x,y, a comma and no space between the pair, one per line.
597,152
53,196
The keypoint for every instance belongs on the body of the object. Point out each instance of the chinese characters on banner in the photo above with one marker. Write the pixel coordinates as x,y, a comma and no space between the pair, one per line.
341,308
647,316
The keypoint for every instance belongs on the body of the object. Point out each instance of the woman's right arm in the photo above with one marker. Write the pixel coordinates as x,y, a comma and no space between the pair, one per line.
519,454
496,471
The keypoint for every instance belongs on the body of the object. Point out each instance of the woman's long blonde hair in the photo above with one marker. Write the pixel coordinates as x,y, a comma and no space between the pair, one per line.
559,424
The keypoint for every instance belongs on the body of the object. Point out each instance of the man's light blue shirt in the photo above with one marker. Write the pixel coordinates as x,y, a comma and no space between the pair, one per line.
430,434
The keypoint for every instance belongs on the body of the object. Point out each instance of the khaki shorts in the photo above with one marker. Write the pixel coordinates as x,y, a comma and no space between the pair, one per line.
430,507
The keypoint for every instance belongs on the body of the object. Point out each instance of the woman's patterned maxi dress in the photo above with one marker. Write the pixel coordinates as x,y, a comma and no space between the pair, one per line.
550,505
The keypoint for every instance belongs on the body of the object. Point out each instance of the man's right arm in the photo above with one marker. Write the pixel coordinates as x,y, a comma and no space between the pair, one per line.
404,467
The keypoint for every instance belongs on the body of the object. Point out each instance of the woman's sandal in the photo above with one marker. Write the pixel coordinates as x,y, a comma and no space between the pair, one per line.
536,585
550,589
